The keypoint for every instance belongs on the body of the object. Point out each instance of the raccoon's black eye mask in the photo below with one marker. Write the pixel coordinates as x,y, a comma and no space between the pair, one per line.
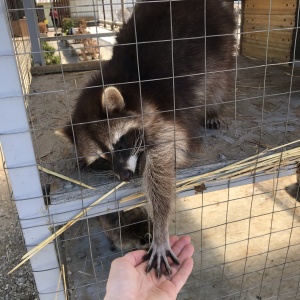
122,143
130,141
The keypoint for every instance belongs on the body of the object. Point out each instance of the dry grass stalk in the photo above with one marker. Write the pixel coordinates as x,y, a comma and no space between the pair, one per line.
132,197
85,273
65,177
65,281
62,274
78,229
260,162
48,240
135,206
59,280
249,164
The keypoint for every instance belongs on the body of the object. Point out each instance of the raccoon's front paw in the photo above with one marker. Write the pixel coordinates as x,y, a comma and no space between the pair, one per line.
157,255
213,123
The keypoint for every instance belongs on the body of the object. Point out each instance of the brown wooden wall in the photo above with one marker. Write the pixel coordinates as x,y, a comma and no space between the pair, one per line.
281,25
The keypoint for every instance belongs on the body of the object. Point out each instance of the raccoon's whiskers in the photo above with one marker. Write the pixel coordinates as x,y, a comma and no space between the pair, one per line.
137,144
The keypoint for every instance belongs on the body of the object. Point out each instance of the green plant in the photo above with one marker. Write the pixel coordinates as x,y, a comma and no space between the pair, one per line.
50,58
66,25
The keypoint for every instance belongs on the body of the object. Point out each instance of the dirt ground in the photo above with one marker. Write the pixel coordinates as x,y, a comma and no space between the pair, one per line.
20,284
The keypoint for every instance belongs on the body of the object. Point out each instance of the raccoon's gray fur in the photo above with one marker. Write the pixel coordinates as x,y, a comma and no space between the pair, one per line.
127,229
294,189
153,96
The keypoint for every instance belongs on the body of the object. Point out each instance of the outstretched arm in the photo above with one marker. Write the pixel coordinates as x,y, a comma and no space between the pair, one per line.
159,181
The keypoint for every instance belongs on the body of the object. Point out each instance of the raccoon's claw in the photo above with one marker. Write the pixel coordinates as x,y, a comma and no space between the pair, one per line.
112,247
157,255
213,124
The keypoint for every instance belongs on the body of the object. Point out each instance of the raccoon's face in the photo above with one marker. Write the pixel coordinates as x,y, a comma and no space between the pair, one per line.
116,139
125,149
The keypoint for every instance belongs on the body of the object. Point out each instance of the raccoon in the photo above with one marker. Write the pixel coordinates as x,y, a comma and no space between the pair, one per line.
134,232
167,78
294,189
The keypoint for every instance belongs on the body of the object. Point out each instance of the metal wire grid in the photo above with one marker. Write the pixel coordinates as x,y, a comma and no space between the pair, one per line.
227,202
22,47
106,10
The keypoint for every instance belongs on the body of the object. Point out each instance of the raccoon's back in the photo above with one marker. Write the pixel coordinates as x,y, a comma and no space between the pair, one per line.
155,44
167,45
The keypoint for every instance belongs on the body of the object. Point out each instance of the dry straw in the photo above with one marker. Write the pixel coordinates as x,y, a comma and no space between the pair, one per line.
62,274
48,240
65,177
262,162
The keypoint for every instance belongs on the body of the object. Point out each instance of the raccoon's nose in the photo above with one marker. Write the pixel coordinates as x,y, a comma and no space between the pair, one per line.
126,175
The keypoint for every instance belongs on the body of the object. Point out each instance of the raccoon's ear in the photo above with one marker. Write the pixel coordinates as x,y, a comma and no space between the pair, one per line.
112,99
65,132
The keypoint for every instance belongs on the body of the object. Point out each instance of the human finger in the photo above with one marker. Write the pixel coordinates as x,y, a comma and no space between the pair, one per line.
177,248
186,253
173,239
181,276
179,245
135,257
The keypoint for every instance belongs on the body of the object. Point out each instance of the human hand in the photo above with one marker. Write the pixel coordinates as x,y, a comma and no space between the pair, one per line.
128,278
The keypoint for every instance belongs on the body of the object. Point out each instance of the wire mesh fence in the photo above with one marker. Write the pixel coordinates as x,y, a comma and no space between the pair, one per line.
237,199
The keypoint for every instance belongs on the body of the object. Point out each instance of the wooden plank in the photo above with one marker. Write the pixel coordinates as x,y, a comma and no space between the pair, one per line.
266,27
283,33
277,7
282,41
261,3
258,51
271,43
266,4
272,58
275,11
270,49
279,21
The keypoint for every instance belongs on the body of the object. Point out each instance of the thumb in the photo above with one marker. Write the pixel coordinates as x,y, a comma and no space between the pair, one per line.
180,278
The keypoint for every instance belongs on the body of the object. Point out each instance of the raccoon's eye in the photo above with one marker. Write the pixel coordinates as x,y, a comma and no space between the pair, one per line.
122,143
122,146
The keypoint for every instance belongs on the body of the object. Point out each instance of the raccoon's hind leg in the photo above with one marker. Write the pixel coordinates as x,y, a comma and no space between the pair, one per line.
218,87
159,180
212,120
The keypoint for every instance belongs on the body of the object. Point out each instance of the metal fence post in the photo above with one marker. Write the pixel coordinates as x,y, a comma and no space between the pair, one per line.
33,28
20,162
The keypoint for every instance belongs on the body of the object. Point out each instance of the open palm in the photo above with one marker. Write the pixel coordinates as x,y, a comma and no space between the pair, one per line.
128,278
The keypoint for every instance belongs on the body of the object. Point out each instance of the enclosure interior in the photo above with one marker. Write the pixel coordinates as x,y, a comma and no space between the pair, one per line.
245,237
246,233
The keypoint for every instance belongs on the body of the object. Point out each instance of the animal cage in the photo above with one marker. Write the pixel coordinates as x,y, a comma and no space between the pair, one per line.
239,201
